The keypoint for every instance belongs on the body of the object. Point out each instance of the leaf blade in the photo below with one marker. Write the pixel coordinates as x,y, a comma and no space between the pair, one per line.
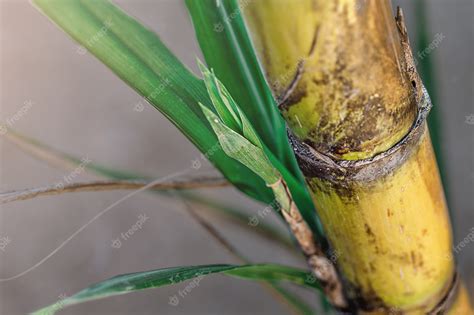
139,58
127,283
230,53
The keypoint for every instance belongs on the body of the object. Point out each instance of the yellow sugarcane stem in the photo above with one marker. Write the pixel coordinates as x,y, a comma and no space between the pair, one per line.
336,66
347,85
392,232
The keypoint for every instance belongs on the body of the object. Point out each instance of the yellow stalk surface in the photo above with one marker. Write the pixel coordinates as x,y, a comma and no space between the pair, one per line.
347,86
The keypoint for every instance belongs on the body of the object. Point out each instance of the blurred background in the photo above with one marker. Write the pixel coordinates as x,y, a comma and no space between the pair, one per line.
70,101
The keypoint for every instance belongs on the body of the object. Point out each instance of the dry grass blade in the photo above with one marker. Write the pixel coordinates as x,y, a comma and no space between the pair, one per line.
190,183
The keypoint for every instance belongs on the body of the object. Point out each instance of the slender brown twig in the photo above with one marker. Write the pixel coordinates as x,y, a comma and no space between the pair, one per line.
190,183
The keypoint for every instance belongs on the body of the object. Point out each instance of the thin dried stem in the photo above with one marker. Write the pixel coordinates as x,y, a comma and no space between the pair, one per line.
61,160
322,268
190,183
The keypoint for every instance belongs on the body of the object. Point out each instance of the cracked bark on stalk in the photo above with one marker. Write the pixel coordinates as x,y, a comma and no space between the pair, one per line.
356,109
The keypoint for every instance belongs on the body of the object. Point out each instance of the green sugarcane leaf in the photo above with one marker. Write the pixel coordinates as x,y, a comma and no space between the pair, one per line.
228,50
226,107
241,149
132,282
138,57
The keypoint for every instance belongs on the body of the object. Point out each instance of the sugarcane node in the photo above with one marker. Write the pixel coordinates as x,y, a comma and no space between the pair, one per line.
339,172
449,298
368,303
275,184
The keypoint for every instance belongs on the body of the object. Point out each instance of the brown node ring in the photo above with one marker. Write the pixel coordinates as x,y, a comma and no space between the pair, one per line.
320,165
450,297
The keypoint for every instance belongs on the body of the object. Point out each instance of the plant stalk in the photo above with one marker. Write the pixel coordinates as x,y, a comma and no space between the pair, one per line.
347,85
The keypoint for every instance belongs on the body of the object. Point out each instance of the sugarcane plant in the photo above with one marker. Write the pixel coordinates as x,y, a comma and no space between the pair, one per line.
313,107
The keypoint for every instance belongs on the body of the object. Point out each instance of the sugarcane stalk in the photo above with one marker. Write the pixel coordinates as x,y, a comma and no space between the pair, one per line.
347,85
325,61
